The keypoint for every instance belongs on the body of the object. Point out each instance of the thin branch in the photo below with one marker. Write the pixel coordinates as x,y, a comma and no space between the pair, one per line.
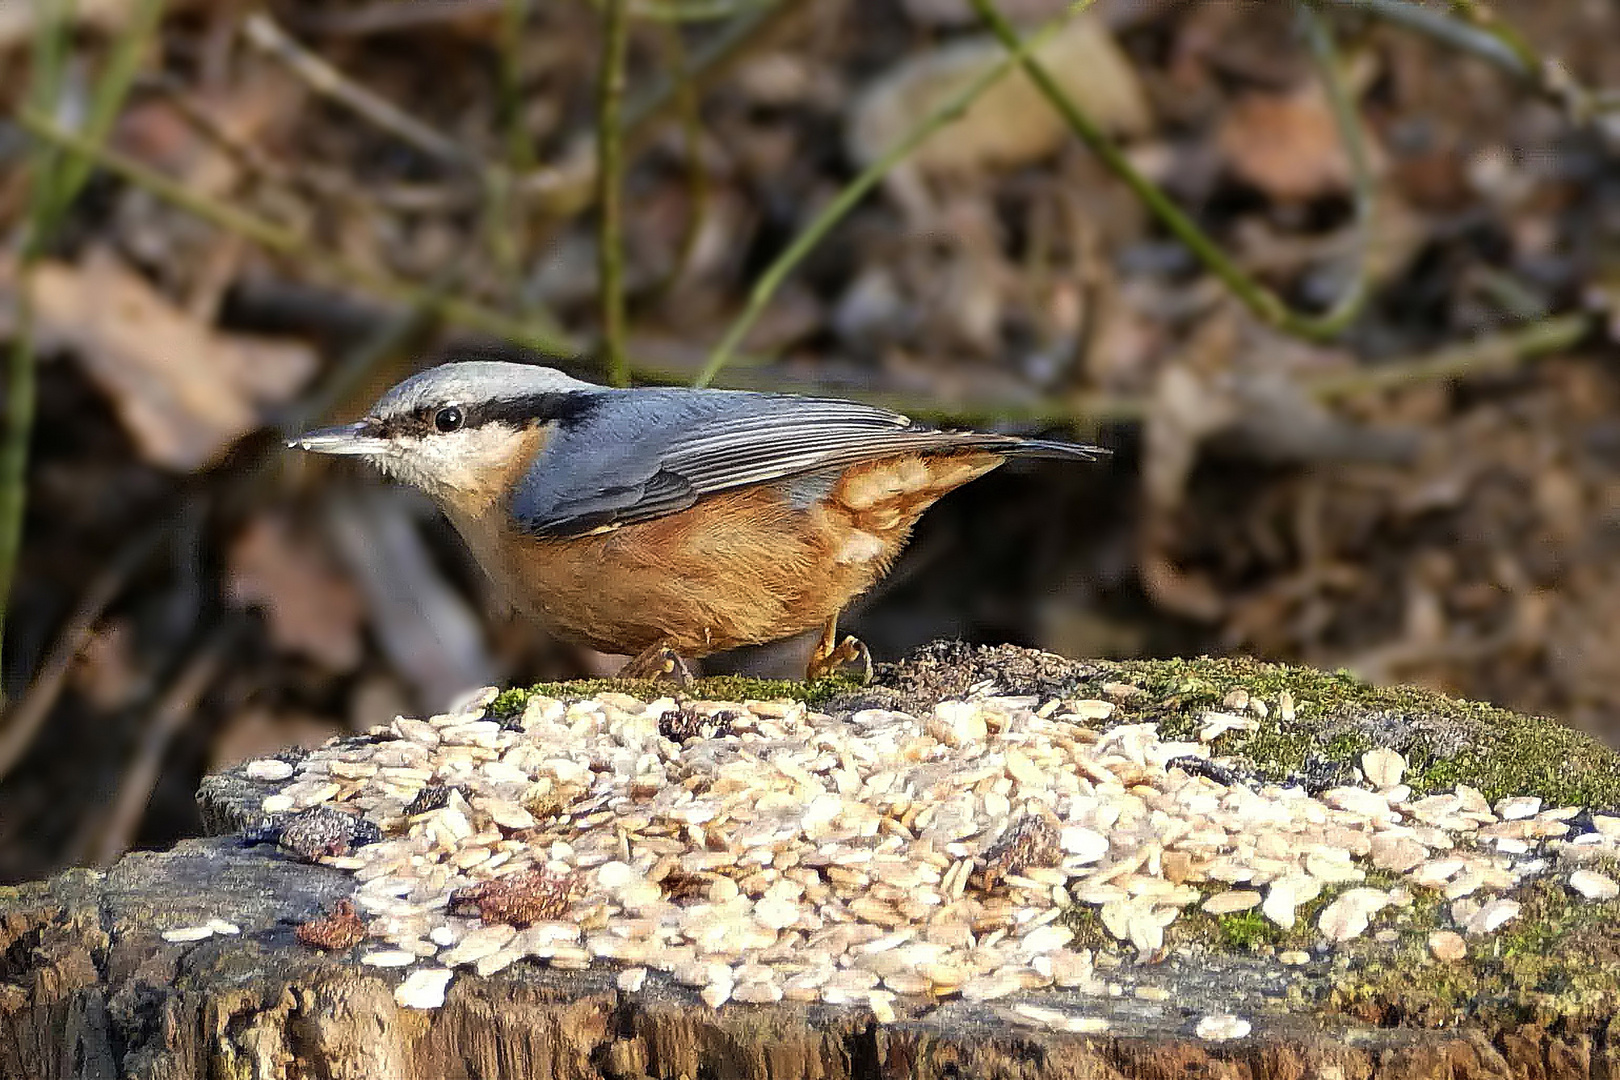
54,181
1344,311
571,187
710,63
680,11
1265,304
169,714
285,241
329,82
1486,355
519,146
609,187
505,225
21,723
697,173
1493,40
813,233
111,90
1435,23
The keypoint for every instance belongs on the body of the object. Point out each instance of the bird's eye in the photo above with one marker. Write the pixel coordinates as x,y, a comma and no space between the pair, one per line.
448,419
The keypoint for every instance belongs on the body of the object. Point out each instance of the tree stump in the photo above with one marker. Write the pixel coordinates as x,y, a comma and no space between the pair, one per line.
89,986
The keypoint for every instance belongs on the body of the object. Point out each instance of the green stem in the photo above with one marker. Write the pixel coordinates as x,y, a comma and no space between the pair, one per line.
693,10
285,241
1449,31
1484,355
697,175
111,90
52,28
1265,304
813,233
609,185
1344,311
1474,29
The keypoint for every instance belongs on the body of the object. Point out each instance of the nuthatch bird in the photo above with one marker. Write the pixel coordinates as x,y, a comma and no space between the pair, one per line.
664,523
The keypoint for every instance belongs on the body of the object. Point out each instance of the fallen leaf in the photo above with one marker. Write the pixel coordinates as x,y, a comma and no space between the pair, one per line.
1009,124
311,609
183,390
1287,145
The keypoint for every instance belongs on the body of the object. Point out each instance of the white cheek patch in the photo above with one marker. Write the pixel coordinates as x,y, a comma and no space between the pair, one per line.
460,462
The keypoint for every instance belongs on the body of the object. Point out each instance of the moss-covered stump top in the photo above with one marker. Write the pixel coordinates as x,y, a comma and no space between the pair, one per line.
992,862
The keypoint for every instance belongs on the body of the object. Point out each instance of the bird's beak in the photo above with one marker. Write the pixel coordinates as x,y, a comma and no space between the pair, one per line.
356,439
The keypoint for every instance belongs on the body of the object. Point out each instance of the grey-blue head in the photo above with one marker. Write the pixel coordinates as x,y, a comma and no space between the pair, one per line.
449,429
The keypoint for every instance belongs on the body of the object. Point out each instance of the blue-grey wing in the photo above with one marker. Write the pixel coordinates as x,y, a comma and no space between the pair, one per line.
633,455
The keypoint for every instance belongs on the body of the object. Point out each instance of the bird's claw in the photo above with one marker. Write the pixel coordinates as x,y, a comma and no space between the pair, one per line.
658,664
850,660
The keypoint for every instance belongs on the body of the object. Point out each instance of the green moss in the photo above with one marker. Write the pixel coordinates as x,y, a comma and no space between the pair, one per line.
1558,962
1338,718
1086,923
715,688
1245,929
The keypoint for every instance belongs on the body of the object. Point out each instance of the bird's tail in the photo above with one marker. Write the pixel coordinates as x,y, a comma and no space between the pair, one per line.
1051,448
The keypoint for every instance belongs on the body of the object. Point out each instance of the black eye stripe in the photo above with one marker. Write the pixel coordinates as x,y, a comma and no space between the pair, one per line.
519,412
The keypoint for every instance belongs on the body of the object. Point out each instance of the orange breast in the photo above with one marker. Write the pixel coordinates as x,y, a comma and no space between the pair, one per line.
741,567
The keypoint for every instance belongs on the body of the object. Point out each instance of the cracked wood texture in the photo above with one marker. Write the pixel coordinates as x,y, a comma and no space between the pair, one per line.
89,989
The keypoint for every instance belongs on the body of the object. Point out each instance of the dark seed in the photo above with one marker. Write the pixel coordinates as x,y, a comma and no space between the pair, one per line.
342,929
681,724
322,830
518,900
1032,840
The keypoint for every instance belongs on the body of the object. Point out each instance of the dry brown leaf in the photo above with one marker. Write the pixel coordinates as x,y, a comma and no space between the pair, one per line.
311,609
1011,123
1287,145
184,391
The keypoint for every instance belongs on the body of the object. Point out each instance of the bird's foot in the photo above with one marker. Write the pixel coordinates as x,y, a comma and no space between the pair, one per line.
658,664
851,659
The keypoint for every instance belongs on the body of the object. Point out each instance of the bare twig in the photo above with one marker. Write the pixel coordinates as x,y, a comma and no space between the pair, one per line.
168,716
21,723
697,174
111,89
1488,354
1344,311
388,16
1435,23
1486,36
54,181
811,235
285,241
329,82
1485,355
1265,304
709,64
679,11
519,147
609,181
505,225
